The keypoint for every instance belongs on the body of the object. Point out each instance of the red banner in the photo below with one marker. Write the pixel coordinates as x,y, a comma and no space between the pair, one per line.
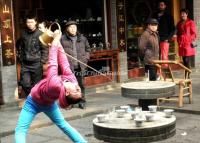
7,32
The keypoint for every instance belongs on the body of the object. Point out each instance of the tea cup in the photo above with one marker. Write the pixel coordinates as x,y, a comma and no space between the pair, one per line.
152,108
168,113
120,113
138,109
149,117
138,122
126,108
133,114
101,118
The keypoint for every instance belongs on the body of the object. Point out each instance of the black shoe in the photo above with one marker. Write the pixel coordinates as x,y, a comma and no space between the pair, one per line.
82,105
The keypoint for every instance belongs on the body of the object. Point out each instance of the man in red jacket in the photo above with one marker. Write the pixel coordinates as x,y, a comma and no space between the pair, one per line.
43,96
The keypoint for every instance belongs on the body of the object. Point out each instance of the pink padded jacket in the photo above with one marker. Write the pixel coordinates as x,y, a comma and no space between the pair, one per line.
51,88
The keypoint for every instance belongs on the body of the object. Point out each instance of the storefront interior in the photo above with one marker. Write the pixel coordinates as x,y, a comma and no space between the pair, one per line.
137,13
90,16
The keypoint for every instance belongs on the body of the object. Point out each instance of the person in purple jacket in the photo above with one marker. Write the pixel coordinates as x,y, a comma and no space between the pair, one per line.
44,95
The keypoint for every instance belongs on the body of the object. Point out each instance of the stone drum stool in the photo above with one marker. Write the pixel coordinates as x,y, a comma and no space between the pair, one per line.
147,92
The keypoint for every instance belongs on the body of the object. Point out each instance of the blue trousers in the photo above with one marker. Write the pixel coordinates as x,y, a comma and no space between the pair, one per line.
31,109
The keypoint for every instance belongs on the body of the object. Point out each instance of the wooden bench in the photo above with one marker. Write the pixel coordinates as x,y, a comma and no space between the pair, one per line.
184,83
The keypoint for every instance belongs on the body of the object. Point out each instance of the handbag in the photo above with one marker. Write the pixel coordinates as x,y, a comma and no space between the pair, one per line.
194,44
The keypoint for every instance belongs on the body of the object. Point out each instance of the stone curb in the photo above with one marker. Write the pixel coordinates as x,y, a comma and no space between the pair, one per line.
187,111
87,114
49,123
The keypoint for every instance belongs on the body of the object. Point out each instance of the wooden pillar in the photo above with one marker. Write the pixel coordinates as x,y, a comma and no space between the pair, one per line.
196,10
7,33
7,72
121,39
121,25
176,10
176,15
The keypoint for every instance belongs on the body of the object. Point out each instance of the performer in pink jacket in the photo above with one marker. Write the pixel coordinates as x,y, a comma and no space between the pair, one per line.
45,94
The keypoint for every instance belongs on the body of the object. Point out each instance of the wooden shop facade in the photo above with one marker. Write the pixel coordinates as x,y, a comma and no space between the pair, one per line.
111,26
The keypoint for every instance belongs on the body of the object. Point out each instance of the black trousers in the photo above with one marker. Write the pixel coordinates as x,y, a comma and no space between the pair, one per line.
144,103
152,72
80,78
30,75
187,60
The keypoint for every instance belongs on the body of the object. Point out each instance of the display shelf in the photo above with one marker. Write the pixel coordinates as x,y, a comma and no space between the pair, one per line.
132,53
92,28
106,62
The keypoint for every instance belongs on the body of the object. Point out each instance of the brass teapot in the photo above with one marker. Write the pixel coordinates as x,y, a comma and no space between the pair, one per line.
47,37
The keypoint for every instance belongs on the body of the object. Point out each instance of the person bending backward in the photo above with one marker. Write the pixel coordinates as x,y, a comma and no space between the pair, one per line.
44,95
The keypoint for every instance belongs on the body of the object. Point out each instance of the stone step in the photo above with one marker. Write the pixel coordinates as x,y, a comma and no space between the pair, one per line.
10,106
102,88
16,105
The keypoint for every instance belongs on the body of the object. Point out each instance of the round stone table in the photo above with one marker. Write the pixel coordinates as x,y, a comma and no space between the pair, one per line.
147,92
124,130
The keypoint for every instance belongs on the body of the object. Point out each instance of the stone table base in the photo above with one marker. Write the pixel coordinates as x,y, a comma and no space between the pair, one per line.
123,130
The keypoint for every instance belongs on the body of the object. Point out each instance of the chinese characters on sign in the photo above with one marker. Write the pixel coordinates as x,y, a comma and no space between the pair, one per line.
7,33
121,33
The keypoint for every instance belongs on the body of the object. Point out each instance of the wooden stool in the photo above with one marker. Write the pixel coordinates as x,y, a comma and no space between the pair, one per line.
185,90
185,84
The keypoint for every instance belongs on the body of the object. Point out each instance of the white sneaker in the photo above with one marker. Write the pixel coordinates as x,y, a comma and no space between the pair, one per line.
158,78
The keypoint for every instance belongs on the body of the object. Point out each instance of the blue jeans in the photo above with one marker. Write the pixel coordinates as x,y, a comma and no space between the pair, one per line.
31,109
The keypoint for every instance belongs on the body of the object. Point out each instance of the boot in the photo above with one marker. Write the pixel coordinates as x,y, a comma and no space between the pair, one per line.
82,104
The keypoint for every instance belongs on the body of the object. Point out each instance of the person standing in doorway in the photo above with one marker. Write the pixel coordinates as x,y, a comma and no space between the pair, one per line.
166,28
76,45
31,55
148,44
186,35
42,26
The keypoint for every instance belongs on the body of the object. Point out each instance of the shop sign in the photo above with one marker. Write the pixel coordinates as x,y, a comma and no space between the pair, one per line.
121,25
7,33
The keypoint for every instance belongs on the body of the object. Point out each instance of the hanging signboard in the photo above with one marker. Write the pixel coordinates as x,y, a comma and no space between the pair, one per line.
7,32
121,25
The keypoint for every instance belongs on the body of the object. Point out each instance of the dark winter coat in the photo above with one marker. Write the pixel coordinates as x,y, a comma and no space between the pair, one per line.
30,49
166,27
148,44
83,49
